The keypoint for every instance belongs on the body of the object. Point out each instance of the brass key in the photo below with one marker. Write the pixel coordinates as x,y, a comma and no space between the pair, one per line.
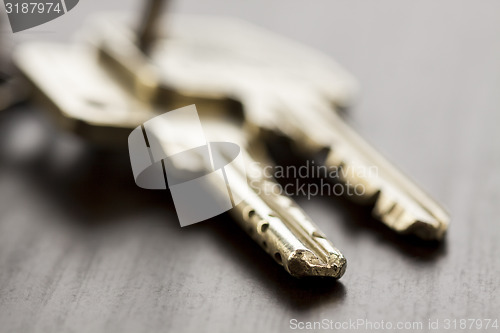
284,88
90,102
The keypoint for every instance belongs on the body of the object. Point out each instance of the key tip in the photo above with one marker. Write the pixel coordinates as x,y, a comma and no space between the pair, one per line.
428,231
303,263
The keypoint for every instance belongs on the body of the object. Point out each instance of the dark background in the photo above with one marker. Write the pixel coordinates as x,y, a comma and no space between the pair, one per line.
82,249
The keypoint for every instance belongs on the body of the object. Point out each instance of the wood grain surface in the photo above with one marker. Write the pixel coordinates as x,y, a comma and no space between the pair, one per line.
82,249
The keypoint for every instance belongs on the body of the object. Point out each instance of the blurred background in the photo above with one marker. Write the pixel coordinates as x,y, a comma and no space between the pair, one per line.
83,249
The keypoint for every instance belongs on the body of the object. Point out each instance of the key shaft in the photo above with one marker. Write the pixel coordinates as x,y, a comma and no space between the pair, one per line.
282,228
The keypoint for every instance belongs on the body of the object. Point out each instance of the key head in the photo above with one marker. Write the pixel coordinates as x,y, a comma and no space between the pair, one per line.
218,63
80,95
218,56
85,99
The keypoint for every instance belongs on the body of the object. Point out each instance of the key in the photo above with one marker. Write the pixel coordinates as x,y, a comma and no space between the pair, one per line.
92,103
284,88
397,201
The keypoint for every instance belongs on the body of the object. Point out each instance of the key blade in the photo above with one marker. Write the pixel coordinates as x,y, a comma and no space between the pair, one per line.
397,201
272,219
283,229
320,257
290,237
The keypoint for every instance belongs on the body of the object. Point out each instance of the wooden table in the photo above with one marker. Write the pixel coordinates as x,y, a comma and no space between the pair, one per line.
82,249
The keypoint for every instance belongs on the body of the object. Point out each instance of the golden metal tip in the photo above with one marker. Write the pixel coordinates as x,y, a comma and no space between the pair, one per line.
303,263
428,231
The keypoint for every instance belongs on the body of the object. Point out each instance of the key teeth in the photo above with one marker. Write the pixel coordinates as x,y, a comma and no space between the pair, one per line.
427,231
304,263
394,216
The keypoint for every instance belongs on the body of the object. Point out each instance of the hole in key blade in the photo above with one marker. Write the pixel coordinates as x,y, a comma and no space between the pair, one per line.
317,235
277,257
264,226
95,104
